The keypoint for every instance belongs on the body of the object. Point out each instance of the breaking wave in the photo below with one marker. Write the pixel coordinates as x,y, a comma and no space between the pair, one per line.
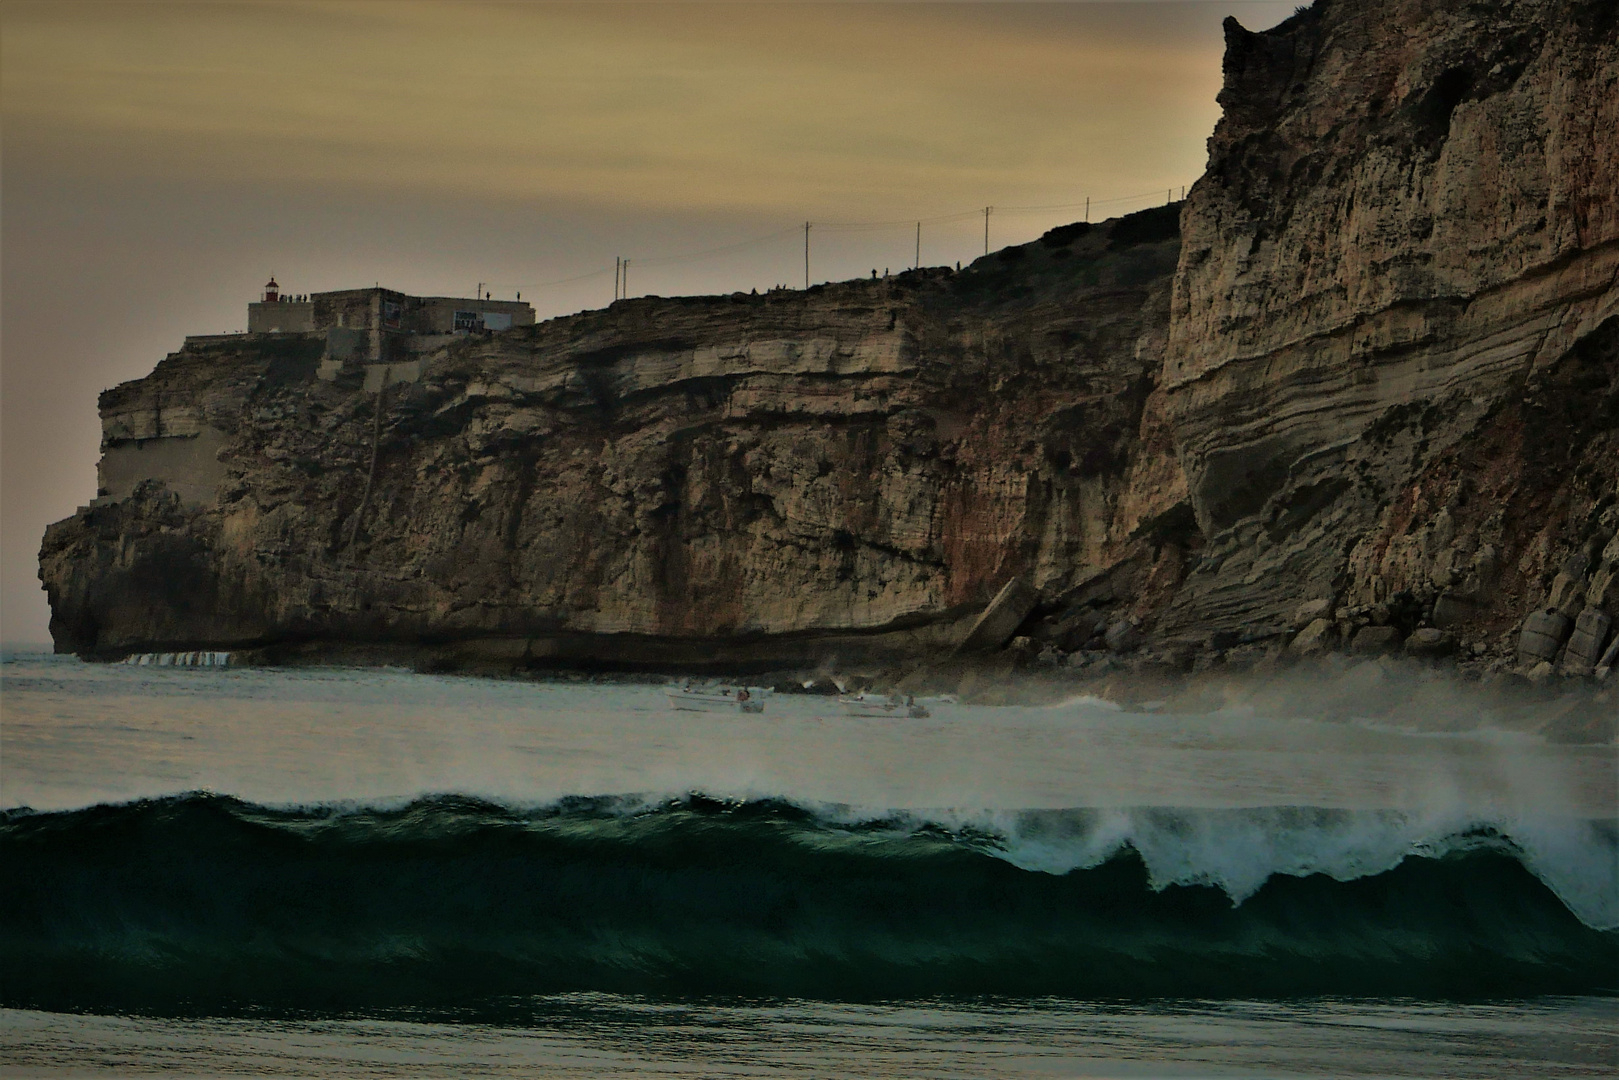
201,902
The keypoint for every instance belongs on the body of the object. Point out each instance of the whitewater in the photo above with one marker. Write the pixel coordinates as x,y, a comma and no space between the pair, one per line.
380,847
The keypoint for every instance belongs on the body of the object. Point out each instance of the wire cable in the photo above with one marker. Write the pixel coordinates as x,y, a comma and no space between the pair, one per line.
665,260
827,226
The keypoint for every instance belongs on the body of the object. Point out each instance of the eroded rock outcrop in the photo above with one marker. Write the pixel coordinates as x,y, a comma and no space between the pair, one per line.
1374,406
1392,366
849,471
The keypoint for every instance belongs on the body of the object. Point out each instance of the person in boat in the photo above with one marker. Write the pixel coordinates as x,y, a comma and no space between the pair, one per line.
742,694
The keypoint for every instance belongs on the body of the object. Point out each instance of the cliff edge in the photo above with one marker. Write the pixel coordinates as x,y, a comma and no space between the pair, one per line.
850,471
1391,370
1361,391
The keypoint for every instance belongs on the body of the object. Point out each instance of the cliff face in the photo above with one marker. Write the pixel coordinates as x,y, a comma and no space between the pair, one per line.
1391,369
1379,389
738,479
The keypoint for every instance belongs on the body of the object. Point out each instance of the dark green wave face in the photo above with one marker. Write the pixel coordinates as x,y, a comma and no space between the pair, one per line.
202,903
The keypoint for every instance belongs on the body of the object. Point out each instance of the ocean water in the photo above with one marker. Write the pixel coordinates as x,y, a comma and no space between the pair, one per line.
330,872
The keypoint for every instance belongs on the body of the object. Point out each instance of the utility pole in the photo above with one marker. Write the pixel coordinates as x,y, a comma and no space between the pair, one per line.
1087,208
987,211
618,264
1169,196
479,294
806,254
918,245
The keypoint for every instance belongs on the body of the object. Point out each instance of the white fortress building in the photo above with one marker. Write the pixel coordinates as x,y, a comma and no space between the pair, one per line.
385,334
380,325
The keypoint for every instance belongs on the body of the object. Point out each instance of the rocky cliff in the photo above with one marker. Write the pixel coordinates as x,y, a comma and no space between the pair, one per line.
846,471
1392,365
1366,395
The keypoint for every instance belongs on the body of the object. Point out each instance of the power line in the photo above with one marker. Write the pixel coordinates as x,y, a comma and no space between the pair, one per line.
842,226
858,226
657,260
620,269
664,260
546,284
1076,205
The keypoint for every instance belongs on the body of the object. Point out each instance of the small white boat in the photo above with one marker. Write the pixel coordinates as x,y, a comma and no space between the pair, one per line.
721,699
872,705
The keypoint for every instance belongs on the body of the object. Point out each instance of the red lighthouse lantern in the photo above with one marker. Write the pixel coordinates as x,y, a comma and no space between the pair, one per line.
272,292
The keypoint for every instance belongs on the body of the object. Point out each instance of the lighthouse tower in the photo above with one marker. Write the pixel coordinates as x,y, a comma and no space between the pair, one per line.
278,314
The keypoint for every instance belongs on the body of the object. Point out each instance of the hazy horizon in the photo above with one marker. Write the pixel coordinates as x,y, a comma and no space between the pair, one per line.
161,160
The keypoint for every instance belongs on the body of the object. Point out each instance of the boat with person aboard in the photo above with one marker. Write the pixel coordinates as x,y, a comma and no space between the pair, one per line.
882,705
714,699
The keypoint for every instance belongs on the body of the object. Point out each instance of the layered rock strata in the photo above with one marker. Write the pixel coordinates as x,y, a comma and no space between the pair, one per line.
1392,370
850,471
1367,400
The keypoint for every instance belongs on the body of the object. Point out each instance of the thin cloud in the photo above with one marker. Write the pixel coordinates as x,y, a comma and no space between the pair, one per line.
653,106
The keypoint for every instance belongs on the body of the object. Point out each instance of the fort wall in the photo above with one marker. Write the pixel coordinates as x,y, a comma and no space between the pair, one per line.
280,316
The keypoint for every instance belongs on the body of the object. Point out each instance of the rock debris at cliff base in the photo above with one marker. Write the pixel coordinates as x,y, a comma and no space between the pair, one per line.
1357,396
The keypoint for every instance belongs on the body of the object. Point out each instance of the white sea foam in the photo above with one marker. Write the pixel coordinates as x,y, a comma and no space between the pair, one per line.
1238,850
1210,796
1087,701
